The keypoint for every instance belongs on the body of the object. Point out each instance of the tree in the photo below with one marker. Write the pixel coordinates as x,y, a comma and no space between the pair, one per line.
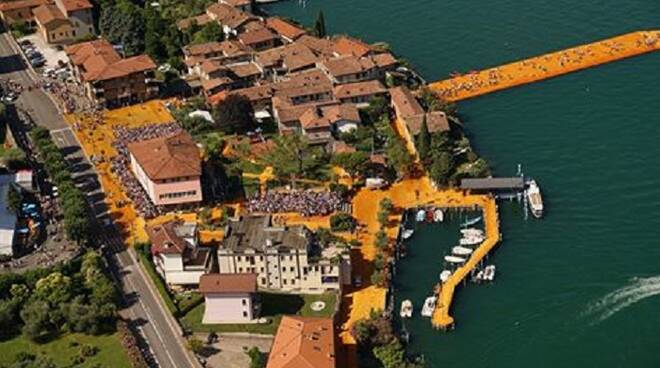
14,159
391,355
153,36
423,140
441,168
234,115
386,205
293,158
37,320
355,163
257,359
377,109
319,25
342,222
14,199
210,32
381,240
55,289
123,23
195,345
399,157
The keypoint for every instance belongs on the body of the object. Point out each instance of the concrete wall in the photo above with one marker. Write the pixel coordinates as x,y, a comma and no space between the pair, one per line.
155,190
228,308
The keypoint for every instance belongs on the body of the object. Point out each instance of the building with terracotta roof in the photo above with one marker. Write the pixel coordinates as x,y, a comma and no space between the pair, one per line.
323,47
229,298
287,31
20,11
110,80
348,69
318,122
243,5
360,93
346,46
259,38
225,53
303,342
168,168
290,58
407,108
285,258
178,258
230,18
64,21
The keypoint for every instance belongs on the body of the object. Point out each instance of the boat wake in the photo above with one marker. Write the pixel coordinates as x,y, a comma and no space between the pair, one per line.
637,290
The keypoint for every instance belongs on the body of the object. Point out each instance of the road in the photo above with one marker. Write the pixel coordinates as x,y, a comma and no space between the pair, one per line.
143,308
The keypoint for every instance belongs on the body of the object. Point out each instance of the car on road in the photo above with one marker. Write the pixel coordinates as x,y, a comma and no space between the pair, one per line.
38,62
33,54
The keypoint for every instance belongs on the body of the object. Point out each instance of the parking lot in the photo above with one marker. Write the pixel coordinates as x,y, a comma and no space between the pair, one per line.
51,55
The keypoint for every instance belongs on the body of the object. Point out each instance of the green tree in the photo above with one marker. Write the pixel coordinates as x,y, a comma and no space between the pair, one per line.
153,36
377,109
391,355
293,158
257,359
123,23
399,157
441,168
14,159
355,163
342,222
234,115
37,324
55,289
381,240
210,32
195,345
423,140
319,25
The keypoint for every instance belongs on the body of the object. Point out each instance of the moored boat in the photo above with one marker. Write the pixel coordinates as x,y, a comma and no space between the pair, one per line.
472,240
438,215
454,259
444,275
406,309
489,273
471,222
535,199
461,251
420,215
407,233
429,306
472,232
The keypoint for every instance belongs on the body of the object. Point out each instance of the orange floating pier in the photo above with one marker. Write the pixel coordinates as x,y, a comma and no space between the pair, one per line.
546,66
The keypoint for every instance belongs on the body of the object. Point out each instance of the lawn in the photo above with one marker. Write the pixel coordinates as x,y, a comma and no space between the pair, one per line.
64,349
273,307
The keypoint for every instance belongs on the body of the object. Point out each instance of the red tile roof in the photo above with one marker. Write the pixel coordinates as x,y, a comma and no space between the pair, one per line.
344,45
99,61
20,4
325,116
223,283
169,157
284,29
347,65
46,14
228,15
236,3
367,88
164,238
75,5
303,342
260,35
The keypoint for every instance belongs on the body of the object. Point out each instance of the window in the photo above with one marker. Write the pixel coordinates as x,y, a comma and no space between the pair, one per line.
292,269
261,269
263,280
244,301
245,314
284,281
240,269
293,281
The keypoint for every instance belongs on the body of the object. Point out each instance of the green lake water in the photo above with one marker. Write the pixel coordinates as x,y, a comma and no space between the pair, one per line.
580,288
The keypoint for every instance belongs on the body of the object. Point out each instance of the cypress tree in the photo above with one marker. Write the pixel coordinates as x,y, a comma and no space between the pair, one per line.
424,140
319,26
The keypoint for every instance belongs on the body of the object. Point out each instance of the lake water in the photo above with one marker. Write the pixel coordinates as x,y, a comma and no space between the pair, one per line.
582,286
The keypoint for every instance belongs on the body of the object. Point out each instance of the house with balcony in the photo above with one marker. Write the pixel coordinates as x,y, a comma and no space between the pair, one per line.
169,169
175,251
229,298
108,79
285,258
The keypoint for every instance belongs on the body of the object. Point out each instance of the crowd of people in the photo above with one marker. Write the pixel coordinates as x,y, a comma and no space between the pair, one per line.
121,163
305,202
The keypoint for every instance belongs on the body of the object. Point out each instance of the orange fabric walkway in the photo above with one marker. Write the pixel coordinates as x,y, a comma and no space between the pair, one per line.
547,66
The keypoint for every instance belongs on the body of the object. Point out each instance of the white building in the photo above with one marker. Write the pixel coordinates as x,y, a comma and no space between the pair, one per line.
229,298
176,254
284,258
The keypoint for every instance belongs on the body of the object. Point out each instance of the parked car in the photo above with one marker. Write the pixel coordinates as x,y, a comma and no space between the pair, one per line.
25,42
33,54
9,97
37,62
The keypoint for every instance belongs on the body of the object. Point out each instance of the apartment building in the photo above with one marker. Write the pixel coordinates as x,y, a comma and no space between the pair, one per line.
110,80
284,258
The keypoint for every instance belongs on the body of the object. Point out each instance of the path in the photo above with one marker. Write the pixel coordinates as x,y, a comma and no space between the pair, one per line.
547,66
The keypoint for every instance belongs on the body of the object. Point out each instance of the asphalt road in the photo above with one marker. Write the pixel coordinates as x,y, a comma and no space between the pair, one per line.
159,331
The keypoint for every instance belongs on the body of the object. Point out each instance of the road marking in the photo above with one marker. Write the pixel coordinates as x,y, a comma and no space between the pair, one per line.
54,131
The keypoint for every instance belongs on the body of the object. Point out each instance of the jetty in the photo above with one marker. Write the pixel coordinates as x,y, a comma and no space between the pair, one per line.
441,317
477,83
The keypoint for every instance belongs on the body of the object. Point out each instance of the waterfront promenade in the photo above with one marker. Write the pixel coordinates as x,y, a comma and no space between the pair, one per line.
547,66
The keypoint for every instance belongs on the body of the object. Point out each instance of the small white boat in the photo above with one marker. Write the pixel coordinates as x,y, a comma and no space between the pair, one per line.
479,276
471,222
489,273
429,306
461,251
535,199
407,233
406,309
421,215
472,232
454,259
472,240
444,275
438,215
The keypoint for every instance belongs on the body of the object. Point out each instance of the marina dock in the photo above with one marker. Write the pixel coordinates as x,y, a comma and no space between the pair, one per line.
441,317
547,66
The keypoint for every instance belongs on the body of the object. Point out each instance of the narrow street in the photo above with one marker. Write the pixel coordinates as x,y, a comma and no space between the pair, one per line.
143,307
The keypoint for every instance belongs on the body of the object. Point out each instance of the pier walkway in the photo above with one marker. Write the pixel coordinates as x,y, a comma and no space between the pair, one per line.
547,66
441,317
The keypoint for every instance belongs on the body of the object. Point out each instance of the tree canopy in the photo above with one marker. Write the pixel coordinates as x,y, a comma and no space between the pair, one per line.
319,25
234,115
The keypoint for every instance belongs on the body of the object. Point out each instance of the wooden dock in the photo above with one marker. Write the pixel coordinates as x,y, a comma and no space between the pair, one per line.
547,66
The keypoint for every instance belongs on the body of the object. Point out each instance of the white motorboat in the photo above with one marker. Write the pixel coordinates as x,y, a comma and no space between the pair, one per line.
461,251
454,259
489,273
472,240
444,275
429,306
421,215
406,309
535,199
472,232
407,233
438,215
